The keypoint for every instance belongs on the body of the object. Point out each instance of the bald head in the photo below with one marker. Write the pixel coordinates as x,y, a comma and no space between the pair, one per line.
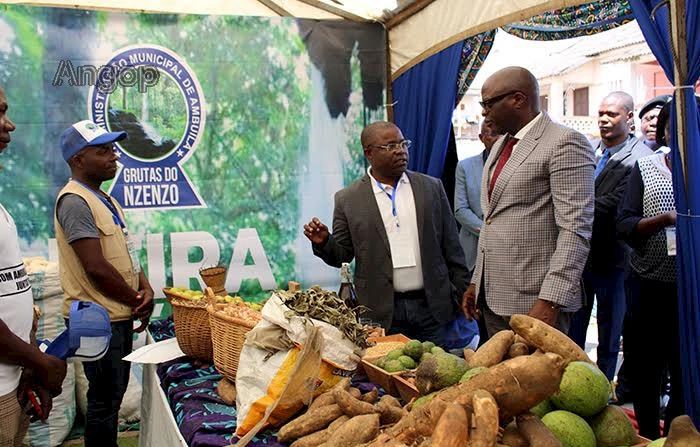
511,99
369,132
621,98
518,79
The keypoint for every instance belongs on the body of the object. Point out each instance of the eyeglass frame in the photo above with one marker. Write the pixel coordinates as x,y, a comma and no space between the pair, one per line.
486,105
403,145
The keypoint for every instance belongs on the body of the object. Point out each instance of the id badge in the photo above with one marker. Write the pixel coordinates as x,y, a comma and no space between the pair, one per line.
402,254
133,252
671,241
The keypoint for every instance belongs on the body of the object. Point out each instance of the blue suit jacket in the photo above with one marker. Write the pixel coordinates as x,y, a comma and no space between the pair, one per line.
468,205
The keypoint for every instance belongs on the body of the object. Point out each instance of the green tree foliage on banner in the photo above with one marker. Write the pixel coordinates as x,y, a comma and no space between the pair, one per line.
254,74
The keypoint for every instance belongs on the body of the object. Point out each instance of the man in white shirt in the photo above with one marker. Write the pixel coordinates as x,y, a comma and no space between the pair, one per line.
398,226
537,193
21,362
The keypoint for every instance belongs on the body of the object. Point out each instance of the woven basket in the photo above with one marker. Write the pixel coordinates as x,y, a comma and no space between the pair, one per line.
191,326
215,277
228,335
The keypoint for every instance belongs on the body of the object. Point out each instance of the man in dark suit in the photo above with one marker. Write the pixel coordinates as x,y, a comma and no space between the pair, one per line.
399,227
605,270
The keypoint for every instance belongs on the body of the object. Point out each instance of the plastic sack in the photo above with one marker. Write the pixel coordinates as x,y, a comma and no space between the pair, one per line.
48,297
262,376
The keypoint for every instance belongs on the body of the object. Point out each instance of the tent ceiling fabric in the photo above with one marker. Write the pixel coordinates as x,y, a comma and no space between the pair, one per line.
435,25
369,10
445,22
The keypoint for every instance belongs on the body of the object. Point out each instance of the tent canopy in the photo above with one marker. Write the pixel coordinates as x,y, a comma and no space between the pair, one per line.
417,28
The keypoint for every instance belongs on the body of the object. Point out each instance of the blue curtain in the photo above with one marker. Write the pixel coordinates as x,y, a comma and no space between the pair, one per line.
425,97
686,190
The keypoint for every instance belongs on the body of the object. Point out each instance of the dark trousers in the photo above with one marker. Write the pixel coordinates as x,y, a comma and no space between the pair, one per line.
651,345
413,318
609,291
108,379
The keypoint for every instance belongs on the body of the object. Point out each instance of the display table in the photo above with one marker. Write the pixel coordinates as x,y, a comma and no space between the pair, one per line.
180,405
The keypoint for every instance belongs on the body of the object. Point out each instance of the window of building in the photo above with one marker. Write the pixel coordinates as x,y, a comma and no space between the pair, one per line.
581,101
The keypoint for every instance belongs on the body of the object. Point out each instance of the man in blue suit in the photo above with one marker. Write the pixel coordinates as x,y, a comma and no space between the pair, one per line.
468,194
467,203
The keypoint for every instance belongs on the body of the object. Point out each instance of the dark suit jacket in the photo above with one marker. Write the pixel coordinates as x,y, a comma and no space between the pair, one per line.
358,232
608,252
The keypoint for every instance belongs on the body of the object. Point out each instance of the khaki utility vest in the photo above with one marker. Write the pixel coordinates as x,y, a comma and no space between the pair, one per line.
74,281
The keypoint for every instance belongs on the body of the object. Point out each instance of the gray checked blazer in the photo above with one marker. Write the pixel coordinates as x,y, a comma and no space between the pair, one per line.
358,232
537,226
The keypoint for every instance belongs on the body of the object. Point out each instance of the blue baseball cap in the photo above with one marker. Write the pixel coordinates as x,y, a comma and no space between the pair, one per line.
83,134
88,335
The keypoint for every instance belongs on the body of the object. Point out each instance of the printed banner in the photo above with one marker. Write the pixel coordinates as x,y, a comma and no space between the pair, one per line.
240,130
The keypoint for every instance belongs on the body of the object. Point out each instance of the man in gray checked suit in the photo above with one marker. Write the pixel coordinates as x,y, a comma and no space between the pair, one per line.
399,227
537,197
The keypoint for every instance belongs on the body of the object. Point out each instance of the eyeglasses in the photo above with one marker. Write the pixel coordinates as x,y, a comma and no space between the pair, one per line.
487,104
391,147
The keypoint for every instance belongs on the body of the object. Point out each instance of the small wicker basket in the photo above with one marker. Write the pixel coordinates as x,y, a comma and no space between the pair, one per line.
192,328
215,277
228,335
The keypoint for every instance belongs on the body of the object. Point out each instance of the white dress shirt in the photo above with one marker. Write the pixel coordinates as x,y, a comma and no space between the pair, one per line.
405,278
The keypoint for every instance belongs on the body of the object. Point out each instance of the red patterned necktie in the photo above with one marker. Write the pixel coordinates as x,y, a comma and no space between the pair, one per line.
502,159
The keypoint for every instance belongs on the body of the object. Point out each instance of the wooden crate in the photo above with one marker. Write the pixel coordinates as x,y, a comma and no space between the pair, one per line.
378,375
405,388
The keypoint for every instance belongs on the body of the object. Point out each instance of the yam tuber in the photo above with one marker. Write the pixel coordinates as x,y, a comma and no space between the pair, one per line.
227,391
370,396
354,392
350,405
484,420
388,413
512,437
411,428
384,440
493,351
536,433
468,354
517,385
391,400
357,430
519,339
547,338
518,349
682,433
452,429
327,397
317,438
322,400
309,422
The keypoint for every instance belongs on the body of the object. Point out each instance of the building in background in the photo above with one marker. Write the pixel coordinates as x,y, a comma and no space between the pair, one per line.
574,76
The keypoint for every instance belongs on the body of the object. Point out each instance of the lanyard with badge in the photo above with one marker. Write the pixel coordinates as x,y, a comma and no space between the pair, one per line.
400,242
130,245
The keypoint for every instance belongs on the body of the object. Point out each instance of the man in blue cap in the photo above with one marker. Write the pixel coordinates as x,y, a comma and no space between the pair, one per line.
21,362
98,262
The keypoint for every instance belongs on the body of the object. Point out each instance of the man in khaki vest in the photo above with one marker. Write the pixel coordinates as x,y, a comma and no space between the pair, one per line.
98,262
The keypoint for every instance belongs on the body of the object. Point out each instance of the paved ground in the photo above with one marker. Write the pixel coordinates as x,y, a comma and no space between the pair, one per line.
592,344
